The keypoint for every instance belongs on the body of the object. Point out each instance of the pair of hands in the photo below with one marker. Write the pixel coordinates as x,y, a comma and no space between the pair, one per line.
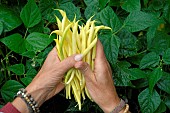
48,82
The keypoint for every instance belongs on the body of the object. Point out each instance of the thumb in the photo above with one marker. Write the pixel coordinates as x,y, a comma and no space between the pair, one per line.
85,69
69,62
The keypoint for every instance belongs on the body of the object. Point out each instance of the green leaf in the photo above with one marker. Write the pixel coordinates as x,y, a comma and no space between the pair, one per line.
37,28
71,10
154,77
91,10
120,76
166,56
47,9
164,82
161,108
26,81
167,101
114,3
89,2
9,18
131,5
46,6
139,20
9,90
157,4
150,35
103,3
37,41
149,102
111,45
29,54
149,60
18,69
15,42
140,83
136,73
31,73
108,17
160,43
128,45
30,14
1,27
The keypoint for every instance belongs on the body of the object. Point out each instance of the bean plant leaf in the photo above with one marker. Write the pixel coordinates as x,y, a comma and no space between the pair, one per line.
1,27
111,44
37,28
37,41
154,77
30,14
161,108
139,20
149,102
160,43
26,81
114,3
108,17
166,56
128,45
120,76
103,3
46,6
91,10
47,9
31,73
15,43
150,35
149,60
131,5
18,69
29,54
71,10
89,2
164,82
167,101
136,73
9,90
9,18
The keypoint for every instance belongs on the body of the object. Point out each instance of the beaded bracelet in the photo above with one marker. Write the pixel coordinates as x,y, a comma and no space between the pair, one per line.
118,108
31,104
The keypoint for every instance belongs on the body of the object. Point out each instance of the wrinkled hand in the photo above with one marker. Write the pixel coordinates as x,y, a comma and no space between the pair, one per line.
48,81
99,82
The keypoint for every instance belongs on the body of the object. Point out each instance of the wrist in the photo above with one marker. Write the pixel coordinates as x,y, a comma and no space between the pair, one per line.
38,93
121,107
107,108
20,105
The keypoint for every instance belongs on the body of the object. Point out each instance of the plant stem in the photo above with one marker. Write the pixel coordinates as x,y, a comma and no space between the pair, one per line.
119,29
26,33
24,38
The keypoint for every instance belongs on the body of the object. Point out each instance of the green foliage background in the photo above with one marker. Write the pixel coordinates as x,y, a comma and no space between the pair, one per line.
137,48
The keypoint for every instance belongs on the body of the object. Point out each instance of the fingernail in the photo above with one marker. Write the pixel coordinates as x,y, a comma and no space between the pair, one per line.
78,57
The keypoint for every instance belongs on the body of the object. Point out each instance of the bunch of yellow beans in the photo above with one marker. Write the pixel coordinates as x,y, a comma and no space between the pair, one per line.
74,39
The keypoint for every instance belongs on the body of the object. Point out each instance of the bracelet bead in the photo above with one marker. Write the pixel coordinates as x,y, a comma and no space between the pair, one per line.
31,103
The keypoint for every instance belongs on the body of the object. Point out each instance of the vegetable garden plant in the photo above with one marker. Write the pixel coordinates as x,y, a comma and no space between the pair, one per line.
137,48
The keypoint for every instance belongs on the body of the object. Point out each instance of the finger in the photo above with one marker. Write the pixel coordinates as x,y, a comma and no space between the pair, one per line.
69,62
85,69
99,50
